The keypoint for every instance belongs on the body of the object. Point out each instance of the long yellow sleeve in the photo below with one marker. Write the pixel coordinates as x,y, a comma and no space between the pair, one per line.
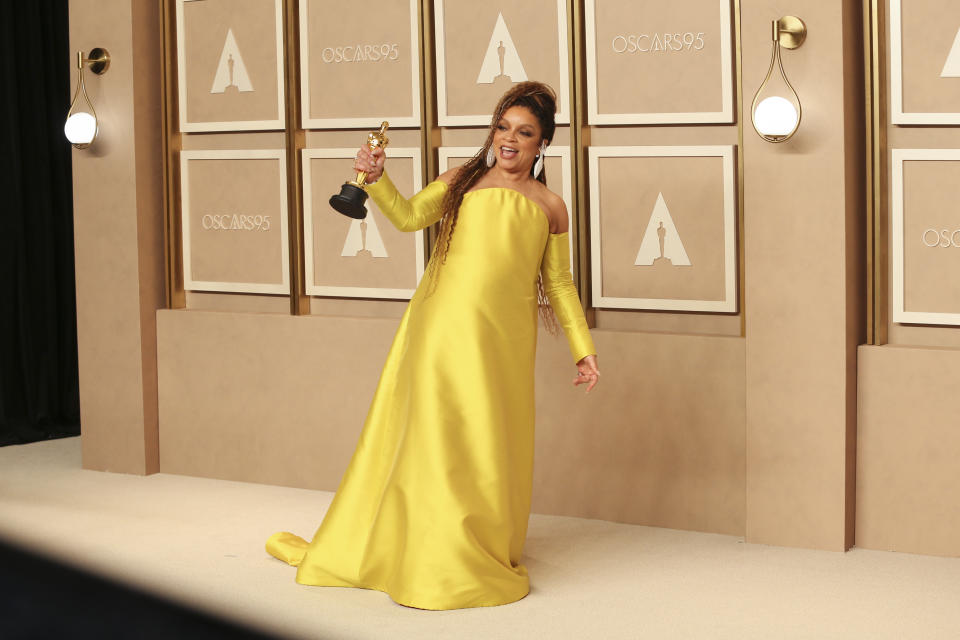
562,292
420,211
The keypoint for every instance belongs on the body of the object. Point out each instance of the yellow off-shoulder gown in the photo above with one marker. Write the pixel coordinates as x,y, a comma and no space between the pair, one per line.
434,505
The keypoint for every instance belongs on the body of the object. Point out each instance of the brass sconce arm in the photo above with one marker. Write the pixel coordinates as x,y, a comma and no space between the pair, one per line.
776,117
82,125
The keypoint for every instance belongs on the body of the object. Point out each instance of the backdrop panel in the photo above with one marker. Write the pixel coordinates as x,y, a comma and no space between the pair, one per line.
359,68
485,48
230,65
234,206
924,62
659,62
925,233
367,258
662,228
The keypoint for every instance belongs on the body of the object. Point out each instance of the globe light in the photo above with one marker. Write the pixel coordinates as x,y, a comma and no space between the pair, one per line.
80,128
775,117
81,125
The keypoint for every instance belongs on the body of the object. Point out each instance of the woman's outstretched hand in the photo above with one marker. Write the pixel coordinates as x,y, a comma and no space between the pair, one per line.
370,161
587,371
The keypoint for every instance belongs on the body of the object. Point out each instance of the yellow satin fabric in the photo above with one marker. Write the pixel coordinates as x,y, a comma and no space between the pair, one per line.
562,292
434,505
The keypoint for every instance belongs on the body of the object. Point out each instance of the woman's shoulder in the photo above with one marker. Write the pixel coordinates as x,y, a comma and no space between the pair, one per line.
555,208
448,176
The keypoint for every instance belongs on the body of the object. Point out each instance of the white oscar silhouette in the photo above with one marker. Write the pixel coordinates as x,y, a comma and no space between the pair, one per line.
501,59
363,238
951,68
661,242
231,72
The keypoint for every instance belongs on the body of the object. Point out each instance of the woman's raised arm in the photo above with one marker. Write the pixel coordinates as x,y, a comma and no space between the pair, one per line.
420,211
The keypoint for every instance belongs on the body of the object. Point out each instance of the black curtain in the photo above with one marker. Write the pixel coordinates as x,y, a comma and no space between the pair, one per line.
39,391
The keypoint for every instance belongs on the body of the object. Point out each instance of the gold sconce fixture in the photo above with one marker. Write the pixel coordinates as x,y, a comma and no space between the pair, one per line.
82,124
776,111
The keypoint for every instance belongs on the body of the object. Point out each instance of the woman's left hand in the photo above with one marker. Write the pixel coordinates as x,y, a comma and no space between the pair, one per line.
587,371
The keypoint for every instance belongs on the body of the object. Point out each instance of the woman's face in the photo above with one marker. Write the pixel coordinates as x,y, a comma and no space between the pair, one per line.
516,139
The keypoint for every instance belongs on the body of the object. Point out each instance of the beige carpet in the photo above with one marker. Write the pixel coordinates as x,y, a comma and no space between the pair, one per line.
200,542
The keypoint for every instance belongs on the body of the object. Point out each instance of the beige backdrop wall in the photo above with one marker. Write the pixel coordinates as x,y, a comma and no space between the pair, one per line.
907,474
118,236
804,226
695,425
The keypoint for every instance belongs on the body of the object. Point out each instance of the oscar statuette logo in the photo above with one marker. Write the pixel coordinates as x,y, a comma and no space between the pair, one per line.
352,195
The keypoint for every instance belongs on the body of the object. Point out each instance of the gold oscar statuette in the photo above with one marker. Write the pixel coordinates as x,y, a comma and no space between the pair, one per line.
352,195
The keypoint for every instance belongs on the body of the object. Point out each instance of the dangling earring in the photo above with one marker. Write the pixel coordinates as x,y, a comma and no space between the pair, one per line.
538,165
491,157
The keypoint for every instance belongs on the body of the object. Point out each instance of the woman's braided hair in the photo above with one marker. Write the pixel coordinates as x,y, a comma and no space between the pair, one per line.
540,99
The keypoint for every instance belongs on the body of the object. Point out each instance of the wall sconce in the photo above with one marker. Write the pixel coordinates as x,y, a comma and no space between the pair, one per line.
776,117
82,125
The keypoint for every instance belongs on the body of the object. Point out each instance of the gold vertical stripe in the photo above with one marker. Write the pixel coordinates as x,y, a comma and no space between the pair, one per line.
870,126
295,137
739,114
876,149
428,119
427,85
175,298
579,139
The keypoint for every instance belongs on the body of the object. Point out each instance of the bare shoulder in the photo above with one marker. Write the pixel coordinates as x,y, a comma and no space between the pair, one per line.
448,176
555,208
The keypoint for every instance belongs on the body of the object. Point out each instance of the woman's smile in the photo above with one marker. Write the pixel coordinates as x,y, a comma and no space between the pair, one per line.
507,152
517,137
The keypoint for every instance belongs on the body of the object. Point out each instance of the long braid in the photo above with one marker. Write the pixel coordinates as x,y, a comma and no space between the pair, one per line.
541,101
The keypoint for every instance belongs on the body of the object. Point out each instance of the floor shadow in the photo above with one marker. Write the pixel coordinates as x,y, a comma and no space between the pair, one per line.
40,598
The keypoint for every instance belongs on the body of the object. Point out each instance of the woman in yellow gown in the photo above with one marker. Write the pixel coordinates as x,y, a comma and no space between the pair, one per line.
434,505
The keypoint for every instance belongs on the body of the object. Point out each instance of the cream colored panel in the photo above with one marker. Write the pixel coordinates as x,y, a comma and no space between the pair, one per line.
359,68
659,62
484,48
235,221
230,65
663,228
925,234
367,258
924,62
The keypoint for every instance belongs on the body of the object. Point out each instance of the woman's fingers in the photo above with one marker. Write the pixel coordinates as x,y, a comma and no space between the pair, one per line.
361,162
369,161
377,158
587,375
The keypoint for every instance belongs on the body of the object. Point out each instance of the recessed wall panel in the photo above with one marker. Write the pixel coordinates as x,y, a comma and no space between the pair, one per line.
662,227
659,62
367,258
484,48
357,68
924,62
234,206
925,233
230,65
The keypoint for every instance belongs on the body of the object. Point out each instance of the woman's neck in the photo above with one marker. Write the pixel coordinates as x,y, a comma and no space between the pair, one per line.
497,174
